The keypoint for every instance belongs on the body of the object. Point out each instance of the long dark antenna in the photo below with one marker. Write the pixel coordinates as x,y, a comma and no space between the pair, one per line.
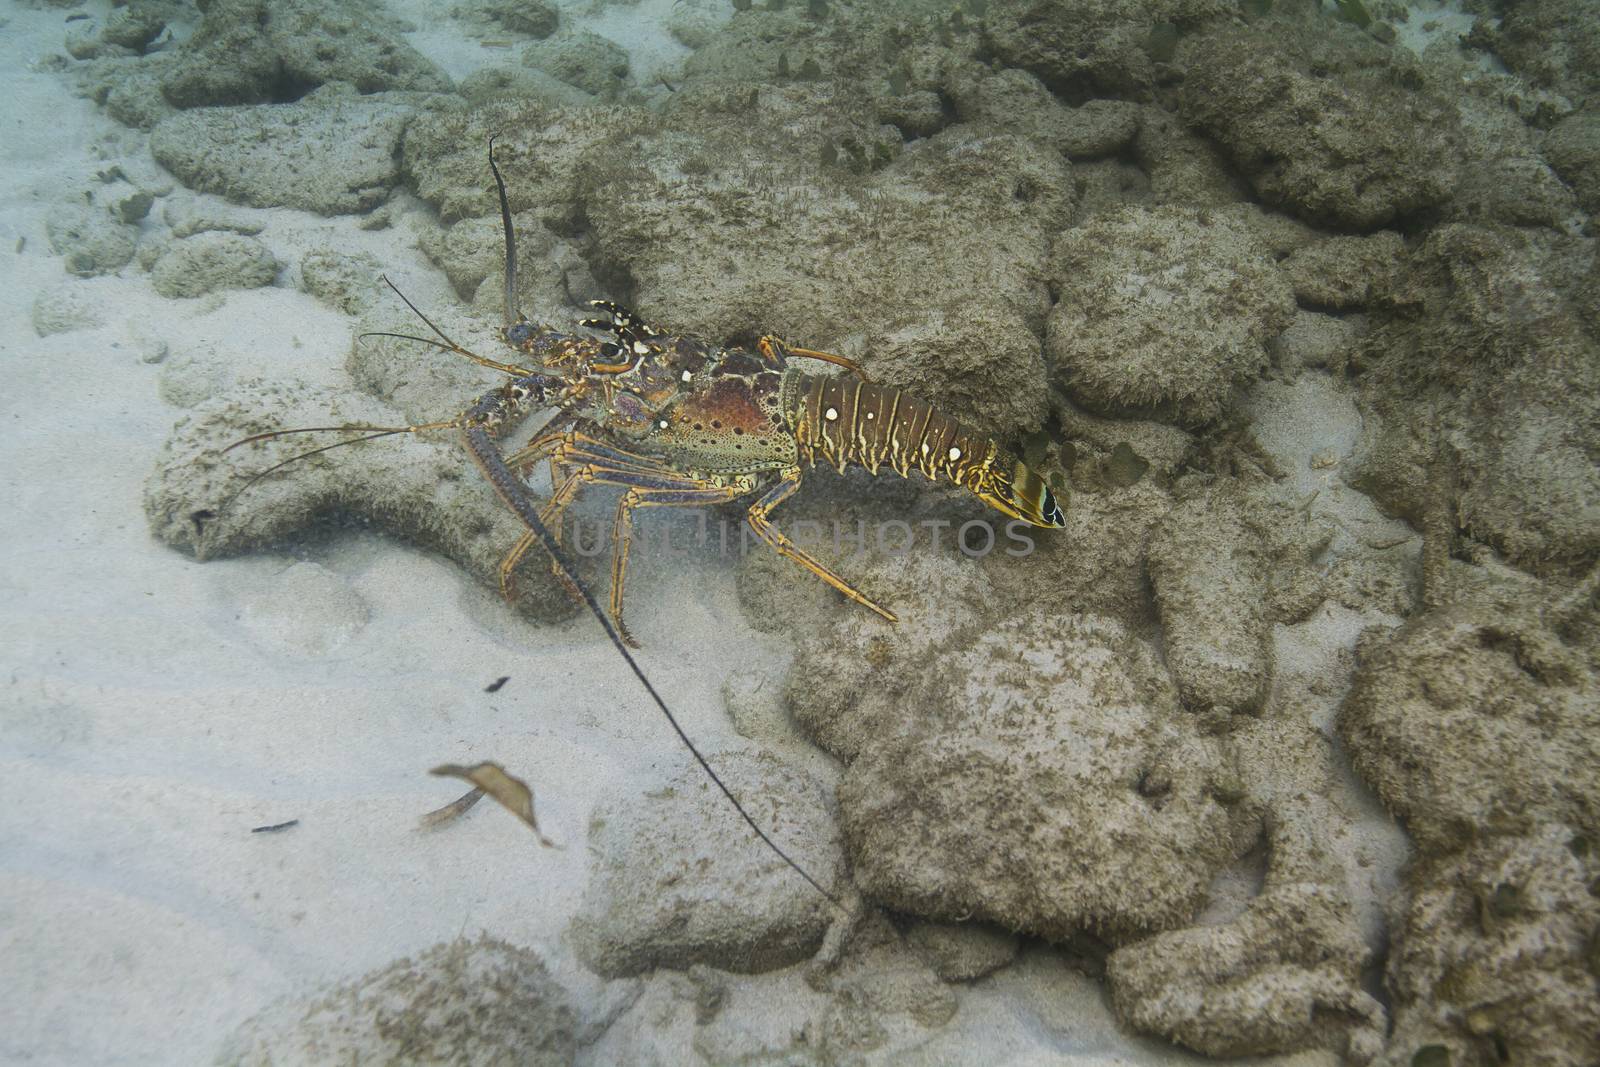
508,314
510,489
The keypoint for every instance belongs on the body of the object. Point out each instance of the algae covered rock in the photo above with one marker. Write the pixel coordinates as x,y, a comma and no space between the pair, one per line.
275,51
549,155
532,17
1208,567
347,282
1047,782
1163,312
206,262
65,307
1082,50
1320,121
461,1002
1573,149
1476,719
680,879
1497,953
1015,101
927,259
853,677
962,952
552,275
1183,166
1483,389
126,31
876,1004
89,240
332,153
202,501
583,59
1346,273
1555,44
1286,974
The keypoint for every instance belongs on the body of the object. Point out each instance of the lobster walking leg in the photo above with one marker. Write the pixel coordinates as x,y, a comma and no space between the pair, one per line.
762,525
576,460
775,350
551,514
510,489
622,529
567,492
647,487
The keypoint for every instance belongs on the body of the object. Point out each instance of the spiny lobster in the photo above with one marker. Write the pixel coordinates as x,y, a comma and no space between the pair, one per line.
679,421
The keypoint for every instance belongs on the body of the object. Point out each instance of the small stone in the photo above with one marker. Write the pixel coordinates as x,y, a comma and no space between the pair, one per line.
347,282
133,207
206,262
89,239
63,308
679,879
461,1002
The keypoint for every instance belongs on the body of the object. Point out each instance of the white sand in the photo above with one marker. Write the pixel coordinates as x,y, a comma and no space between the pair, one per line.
156,709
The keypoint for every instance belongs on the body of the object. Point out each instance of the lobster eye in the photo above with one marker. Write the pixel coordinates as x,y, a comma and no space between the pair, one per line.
519,333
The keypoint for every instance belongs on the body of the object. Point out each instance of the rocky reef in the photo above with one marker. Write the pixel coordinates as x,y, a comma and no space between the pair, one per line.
1287,737
481,1001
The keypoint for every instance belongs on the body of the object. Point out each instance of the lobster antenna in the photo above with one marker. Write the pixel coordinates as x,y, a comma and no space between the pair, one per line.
375,433
511,490
482,361
448,345
508,315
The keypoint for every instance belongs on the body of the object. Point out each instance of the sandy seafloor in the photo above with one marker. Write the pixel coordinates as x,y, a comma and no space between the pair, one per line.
156,709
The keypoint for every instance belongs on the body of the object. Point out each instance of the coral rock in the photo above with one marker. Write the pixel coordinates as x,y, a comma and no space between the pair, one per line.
1320,122
1163,312
457,1003
1286,974
332,153
679,878
1046,782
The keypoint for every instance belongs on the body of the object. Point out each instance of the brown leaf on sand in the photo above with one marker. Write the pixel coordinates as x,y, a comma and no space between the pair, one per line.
511,792
451,811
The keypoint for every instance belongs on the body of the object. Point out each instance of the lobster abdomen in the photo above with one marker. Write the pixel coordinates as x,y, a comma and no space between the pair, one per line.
846,420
